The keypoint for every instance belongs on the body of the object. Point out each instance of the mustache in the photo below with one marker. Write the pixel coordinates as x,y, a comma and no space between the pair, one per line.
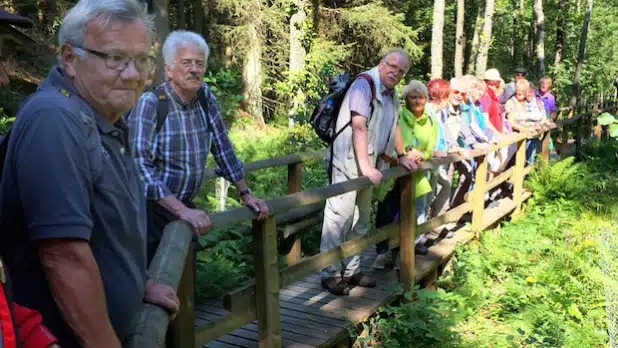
192,75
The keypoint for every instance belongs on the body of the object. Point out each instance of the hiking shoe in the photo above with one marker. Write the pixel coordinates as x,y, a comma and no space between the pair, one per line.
336,286
361,279
381,261
420,249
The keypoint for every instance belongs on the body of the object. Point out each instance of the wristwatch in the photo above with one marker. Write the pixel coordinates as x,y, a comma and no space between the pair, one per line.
245,192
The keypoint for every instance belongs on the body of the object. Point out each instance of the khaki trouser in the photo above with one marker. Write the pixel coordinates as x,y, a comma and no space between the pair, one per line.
346,217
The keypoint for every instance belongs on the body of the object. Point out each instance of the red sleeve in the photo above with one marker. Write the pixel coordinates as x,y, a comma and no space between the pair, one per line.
31,332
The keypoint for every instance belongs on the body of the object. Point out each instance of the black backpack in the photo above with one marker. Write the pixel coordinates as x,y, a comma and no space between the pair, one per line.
163,105
324,117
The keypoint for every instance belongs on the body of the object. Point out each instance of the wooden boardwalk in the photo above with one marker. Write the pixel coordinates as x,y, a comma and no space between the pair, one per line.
312,317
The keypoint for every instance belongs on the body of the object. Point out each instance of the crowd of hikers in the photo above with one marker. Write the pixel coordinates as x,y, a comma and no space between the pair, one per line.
437,119
94,167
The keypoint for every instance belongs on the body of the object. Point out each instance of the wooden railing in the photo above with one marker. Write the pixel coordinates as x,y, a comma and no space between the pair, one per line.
259,298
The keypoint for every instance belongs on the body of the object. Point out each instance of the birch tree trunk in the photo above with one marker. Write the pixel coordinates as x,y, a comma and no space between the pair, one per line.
221,189
474,48
297,55
252,74
460,39
485,39
162,25
580,55
437,39
540,41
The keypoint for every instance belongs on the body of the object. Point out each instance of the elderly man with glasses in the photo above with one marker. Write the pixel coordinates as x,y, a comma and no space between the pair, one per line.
509,88
367,123
73,229
172,130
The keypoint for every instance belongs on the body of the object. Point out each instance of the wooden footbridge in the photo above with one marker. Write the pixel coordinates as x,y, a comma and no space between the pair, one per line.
287,306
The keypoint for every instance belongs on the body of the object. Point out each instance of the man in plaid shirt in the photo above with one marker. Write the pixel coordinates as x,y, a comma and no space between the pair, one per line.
172,158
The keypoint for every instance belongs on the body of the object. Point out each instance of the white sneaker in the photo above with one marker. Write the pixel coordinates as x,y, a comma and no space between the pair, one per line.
382,260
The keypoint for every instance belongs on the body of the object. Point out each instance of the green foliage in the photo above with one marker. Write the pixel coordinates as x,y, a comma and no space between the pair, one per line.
225,85
324,60
534,282
229,262
5,122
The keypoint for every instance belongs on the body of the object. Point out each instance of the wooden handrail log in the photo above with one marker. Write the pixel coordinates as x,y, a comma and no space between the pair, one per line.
297,214
287,203
166,268
298,226
275,162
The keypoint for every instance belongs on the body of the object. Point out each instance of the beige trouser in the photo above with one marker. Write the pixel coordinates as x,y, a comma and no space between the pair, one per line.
346,217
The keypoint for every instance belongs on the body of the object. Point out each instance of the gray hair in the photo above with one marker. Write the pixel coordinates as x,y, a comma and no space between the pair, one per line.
400,51
415,86
182,38
73,27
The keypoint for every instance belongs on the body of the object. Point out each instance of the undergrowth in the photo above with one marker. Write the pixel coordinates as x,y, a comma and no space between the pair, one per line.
533,282
230,261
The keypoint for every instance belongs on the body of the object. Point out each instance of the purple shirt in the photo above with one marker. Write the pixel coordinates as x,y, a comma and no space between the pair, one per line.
549,101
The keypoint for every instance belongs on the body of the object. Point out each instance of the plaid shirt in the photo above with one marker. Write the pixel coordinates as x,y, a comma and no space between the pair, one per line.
173,161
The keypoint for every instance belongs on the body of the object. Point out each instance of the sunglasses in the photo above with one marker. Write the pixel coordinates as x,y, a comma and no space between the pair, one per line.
462,94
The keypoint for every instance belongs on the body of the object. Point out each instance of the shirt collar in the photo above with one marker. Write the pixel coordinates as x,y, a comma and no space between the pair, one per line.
168,88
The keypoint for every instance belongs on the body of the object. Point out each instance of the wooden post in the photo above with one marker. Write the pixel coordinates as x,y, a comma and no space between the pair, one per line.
597,128
518,174
565,138
182,330
295,179
590,121
545,147
478,194
267,282
165,268
407,231
578,134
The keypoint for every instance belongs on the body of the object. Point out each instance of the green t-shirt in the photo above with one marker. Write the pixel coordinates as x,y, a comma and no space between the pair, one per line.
419,134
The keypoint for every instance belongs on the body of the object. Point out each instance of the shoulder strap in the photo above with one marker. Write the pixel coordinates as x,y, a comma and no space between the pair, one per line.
369,80
162,108
201,96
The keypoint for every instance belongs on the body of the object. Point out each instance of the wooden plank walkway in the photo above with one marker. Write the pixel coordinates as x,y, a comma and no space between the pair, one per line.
312,317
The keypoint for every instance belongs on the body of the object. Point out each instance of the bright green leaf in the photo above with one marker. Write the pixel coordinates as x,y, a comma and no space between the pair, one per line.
605,119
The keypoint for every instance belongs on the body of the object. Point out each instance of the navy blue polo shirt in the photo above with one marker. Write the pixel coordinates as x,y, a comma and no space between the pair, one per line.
69,175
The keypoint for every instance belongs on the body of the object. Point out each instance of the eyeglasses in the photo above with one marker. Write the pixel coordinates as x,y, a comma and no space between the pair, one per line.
462,94
520,74
187,64
120,62
395,67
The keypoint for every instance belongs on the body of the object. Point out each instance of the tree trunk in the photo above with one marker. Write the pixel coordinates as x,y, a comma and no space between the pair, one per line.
315,4
580,55
199,17
474,49
162,25
181,14
514,46
540,43
559,36
460,39
485,39
252,75
437,40
221,189
298,55
525,48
